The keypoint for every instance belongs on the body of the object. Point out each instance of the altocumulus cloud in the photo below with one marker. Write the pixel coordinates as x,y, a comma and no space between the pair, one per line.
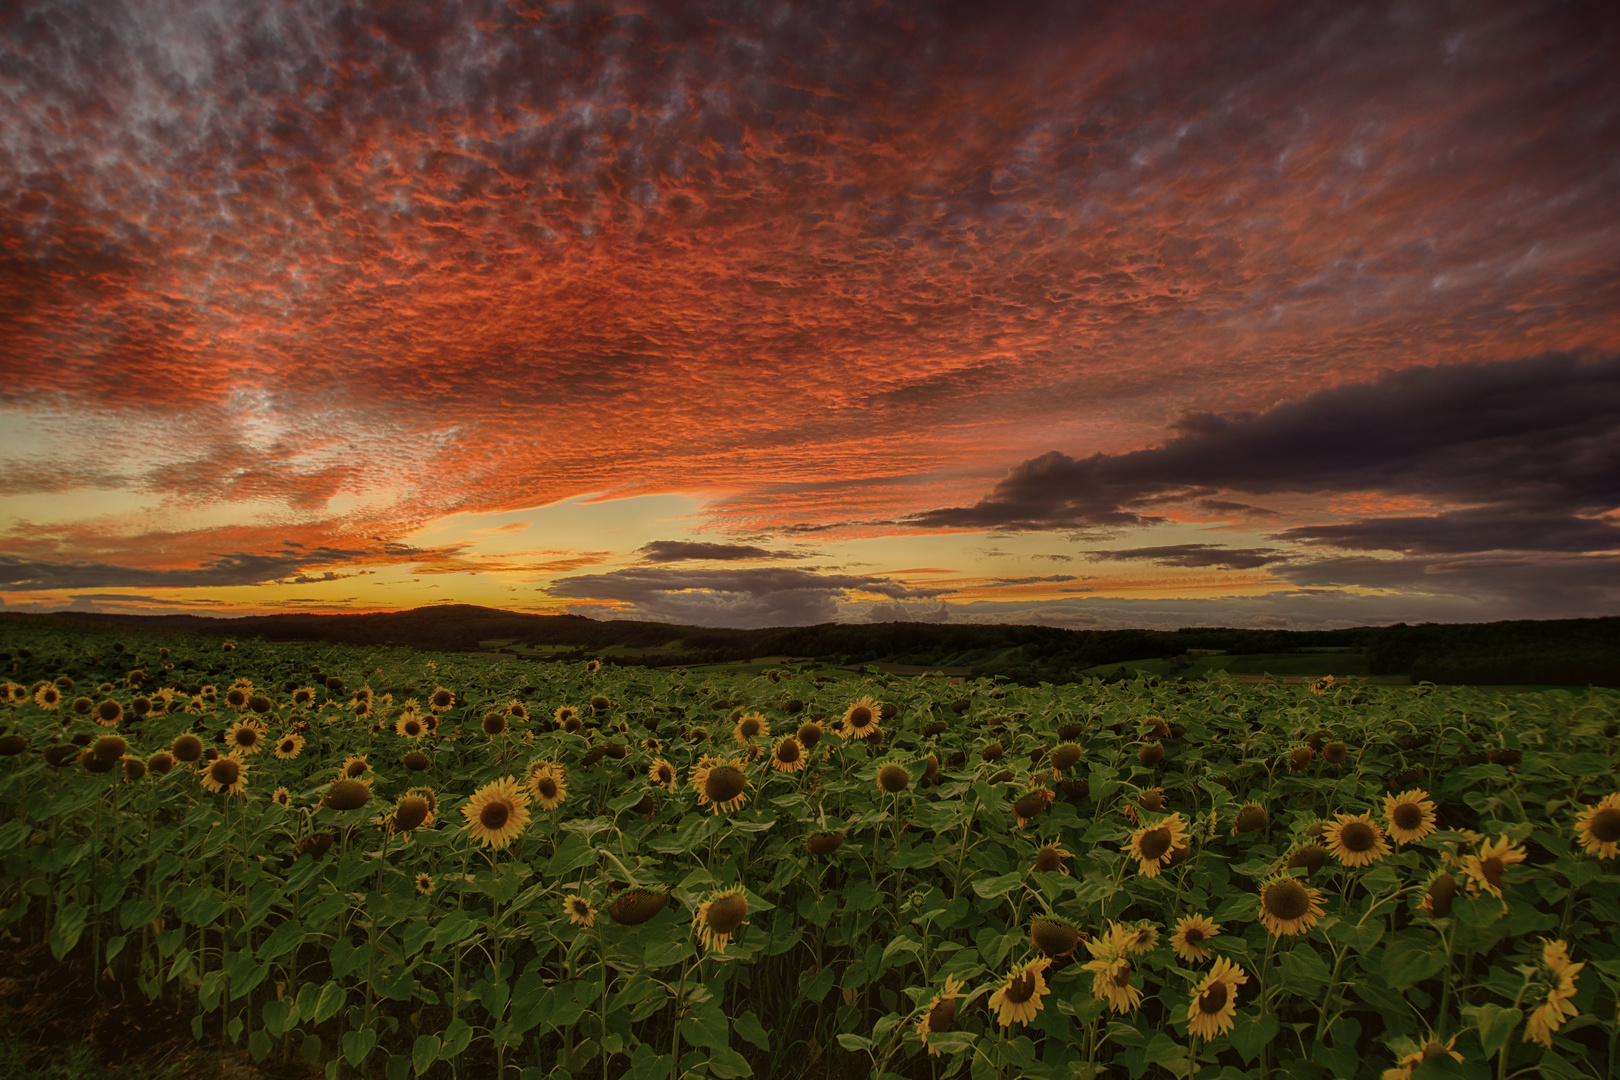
745,598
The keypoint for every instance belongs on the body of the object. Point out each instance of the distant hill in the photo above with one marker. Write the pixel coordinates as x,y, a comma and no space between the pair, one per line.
1564,651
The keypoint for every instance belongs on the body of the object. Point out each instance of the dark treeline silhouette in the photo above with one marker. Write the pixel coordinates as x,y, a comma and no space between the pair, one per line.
1566,651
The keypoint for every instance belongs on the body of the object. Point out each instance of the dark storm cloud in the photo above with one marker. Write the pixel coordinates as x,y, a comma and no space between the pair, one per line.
1483,529
666,551
238,569
1538,436
1195,555
741,598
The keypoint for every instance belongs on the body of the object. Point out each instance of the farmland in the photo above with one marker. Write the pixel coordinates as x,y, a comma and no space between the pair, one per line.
375,861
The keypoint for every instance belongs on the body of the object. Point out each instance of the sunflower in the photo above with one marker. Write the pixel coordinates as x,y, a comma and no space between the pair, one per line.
809,734
1554,1009
1135,940
424,884
1033,801
719,917
579,911
893,778
246,737
1250,818
1437,895
662,774
1052,936
1214,1000
1019,998
409,725
225,775
497,813
1598,827
289,745
593,666
346,795
940,1013
720,782
751,726
281,797
237,697
441,700
1299,758
1432,1048
1288,907
563,714
48,697
788,755
108,713
1111,975
1308,857
303,697
548,783
414,810
1190,934
160,763
134,768
1410,814
1355,840
1485,870
355,767
187,748
860,719
1050,859
1151,845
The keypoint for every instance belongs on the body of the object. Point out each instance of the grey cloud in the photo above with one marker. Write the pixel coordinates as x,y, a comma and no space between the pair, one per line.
665,551
1474,529
744,598
236,569
1033,580
1194,555
1537,434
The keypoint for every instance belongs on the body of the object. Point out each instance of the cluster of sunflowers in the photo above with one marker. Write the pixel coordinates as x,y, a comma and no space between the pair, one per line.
514,772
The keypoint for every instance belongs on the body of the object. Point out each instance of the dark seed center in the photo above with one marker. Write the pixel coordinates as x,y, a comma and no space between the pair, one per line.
1358,836
1021,989
1408,816
547,787
224,771
1194,935
1155,843
942,1015
727,913
860,717
787,753
1213,1000
1605,825
1287,900
494,815
724,783
1492,868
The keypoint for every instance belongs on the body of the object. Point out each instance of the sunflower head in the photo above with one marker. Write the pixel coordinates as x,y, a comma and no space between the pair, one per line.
1050,858
1191,934
134,768
579,910
1597,827
225,775
160,763
861,719
109,713
720,917
1310,858
893,778
636,906
720,783
494,723
1411,816
346,795
809,734
1356,840
548,783
415,761
411,812
442,700
824,844
1052,936
662,774
1289,907
1299,758
1031,803
424,884
1250,818
1151,754
281,797
940,1014
187,748
497,813
109,748
1019,998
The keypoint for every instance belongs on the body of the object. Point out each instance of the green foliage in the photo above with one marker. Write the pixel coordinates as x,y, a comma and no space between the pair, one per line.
303,932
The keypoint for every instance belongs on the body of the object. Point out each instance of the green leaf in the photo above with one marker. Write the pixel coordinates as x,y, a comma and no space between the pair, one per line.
727,1064
357,1044
998,887
748,1026
851,1041
1251,1034
815,989
456,1038
259,1045
951,1042
1303,971
1496,1026
275,1013
707,1029
1585,765
662,954
456,925
1407,963
330,1001
283,938
424,1052
1478,911
69,927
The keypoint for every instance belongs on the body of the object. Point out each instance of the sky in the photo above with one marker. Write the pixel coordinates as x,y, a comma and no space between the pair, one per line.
1296,315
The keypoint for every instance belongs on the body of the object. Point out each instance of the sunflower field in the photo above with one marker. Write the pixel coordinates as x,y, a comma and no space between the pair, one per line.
388,863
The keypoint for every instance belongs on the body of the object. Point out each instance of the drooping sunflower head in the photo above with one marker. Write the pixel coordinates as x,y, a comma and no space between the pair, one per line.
1032,802
940,1013
719,918
893,778
824,844
134,768
109,748
720,783
1299,758
1190,935
415,761
160,763
354,767
861,719
809,734
1597,827
1251,818
412,812
1052,936
497,813
1486,869
1356,840
1310,858
632,907
1151,754
1050,858
1289,907
346,795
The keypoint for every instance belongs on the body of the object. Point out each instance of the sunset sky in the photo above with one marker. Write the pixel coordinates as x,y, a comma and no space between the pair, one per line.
1293,315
